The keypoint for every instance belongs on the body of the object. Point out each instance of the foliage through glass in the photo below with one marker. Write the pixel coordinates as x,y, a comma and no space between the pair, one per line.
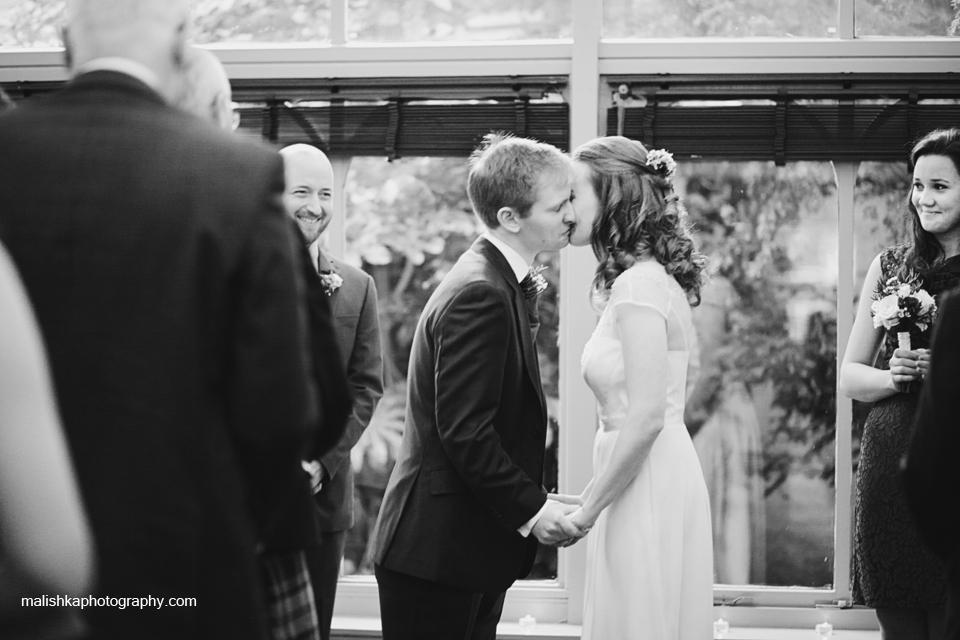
763,403
719,19
458,20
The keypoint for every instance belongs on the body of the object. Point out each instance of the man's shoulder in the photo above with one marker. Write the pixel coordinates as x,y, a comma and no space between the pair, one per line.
472,278
350,273
475,268
205,142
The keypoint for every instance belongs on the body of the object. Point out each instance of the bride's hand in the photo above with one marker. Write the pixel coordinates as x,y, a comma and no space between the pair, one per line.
565,498
580,520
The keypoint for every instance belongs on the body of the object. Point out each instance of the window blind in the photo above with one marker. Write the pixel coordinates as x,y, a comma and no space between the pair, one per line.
835,117
398,128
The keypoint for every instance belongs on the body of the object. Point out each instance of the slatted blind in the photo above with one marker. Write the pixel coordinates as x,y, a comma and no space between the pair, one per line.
770,117
785,119
393,117
398,129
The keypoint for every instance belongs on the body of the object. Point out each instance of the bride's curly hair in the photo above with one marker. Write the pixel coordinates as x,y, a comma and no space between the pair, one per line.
639,216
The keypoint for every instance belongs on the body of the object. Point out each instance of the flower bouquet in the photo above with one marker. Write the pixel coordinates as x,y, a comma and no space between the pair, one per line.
902,307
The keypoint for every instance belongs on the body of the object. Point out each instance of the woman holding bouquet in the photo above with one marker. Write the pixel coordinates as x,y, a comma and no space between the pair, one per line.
893,572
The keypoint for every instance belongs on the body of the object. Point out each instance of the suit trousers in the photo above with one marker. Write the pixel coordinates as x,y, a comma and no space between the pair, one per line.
324,563
412,607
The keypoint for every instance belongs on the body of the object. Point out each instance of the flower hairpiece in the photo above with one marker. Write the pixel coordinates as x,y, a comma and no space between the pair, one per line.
661,161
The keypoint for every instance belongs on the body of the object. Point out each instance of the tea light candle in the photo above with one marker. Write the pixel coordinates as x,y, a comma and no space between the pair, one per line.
528,624
720,629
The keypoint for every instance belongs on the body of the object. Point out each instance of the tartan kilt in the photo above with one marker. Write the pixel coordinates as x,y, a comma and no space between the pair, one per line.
292,611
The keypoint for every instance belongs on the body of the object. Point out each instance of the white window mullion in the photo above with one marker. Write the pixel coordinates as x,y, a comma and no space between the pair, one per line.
578,417
846,176
846,19
338,22
335,239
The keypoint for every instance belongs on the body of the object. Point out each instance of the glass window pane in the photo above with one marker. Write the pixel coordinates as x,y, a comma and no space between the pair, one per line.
908,18
36,23
763,402
458,20
408,221
719,18
261,21
31,23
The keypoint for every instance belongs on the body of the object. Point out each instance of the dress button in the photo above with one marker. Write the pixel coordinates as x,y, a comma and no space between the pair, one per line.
536,433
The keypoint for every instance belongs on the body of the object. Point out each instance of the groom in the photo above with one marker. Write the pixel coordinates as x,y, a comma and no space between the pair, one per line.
464,507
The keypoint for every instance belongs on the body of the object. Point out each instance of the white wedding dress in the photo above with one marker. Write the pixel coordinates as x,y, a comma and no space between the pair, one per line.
650,554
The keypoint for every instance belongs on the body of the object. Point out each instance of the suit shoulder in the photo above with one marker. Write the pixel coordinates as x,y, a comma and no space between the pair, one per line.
356,280
474,291
227,148
350,271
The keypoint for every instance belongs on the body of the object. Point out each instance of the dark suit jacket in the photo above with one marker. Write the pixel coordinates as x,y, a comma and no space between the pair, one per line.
160,264
932,471
468,475
298,525
357,327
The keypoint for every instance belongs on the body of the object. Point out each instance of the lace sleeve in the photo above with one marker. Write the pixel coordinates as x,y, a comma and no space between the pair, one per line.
642,286
890,260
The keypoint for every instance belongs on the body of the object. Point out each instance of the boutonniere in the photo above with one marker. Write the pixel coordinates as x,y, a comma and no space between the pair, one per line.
533,284
331,281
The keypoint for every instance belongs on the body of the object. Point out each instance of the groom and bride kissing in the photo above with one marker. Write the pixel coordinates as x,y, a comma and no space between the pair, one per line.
464,509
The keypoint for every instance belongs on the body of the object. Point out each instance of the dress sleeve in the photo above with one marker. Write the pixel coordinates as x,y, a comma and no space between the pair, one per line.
641,288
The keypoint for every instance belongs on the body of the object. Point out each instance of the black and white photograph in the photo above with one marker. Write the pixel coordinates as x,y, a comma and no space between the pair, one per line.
479,319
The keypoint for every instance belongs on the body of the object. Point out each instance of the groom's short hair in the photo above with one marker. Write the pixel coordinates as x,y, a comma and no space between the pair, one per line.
506,171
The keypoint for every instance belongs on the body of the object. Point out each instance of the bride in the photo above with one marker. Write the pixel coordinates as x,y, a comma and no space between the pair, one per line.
650,555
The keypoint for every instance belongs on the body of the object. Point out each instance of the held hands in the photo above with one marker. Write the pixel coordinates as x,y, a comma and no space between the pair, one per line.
909,365
579,520
554,528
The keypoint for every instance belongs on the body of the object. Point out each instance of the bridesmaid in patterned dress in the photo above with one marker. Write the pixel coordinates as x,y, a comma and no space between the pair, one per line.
893,571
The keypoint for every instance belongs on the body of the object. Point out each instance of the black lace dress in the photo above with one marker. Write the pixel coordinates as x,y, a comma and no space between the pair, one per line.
891,567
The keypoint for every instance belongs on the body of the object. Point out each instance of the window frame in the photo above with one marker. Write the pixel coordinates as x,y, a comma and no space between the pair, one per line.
587,59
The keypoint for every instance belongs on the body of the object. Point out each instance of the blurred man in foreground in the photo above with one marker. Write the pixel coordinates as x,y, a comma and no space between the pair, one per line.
164,276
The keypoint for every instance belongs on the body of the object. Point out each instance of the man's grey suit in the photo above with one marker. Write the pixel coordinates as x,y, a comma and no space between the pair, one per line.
357,329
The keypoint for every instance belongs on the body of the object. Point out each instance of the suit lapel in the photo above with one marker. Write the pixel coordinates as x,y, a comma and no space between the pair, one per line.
524,316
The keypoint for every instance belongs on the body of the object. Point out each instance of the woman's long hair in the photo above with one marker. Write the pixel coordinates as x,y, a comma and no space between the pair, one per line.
639,216
923,251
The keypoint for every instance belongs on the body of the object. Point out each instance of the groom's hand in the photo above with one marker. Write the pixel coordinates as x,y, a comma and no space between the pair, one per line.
554,528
